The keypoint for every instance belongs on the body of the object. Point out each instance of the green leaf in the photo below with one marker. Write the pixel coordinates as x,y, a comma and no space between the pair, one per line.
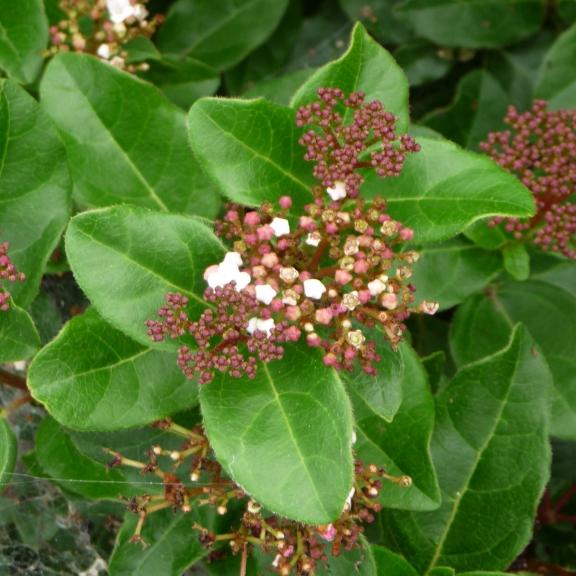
172,547
126,143
442,571
402,446
450,272
367,67
486,236
285,436
60,458
516,261
422,62
8,451
23,37
380,19
473,24
557,79
567,10
357,562
126,259
383,392
490,449
391,564
93,377
443,189
183,80
280,90
19,338
219,34
554,269
34,187
251,149
478,108
483,324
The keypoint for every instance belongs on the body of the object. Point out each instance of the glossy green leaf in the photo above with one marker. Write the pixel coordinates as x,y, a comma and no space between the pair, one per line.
60,458
554,269
443,189
450,272
356,562
366,67
23,38
280,90
219,34
8,451
183,80
251,149
126,259
473,24
567,10
285,436
516,261
172,547
486,236
19,338
478,108
93,377
383,392
402,446
34,187
391,564
490,449
483,324
380,18
557,80
126,143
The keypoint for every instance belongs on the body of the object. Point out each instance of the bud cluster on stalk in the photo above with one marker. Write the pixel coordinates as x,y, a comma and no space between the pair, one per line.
327,275
9,273
540,148
103,28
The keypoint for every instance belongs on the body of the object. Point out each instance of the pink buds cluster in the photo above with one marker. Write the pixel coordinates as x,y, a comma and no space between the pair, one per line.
112,24
340,150
340,267
540,148
7,272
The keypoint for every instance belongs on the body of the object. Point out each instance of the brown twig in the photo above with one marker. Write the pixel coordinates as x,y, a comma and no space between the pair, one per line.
244,563
13,380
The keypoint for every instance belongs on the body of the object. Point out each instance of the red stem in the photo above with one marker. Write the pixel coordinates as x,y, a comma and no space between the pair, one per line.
12,380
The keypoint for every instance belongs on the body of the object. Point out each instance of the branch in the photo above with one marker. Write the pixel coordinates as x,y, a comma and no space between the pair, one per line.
13,380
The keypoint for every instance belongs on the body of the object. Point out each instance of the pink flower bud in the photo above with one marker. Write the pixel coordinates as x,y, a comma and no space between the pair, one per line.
265,233
252,219
323,316
342,277
285,202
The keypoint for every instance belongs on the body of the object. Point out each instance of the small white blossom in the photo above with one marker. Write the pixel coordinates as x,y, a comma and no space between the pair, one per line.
314,288
265,293
281,226
120,10
338,191
261,325
227,271
354,438
376,287
313,239
233,258
104,51
348,503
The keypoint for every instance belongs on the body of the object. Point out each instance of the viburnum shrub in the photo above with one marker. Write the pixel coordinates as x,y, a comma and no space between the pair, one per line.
288,329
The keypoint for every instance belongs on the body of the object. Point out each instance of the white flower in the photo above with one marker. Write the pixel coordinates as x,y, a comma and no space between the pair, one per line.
104,51
265,293
261,325
281,226
120,10
348,503
314,288
227,271
313,239
338,191
376,287
353,437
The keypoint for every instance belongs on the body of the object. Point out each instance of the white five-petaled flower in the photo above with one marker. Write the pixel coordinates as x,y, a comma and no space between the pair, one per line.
313,239
265,293
120,10
338,191
314,289
227,271
281,226
261,325
376,287
104,51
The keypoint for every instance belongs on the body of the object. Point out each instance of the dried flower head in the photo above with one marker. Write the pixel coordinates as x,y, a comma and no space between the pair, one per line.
540,148
103,28
340,268
9,273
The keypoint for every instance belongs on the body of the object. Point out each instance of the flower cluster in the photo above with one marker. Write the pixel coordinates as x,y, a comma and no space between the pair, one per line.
339,268
103,28
7,272
540,148
294,548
